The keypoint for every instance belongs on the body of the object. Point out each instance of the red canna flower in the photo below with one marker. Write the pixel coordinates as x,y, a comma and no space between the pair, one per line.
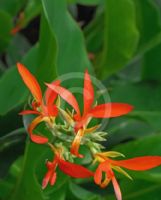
106,110
46,110
71,169
107,165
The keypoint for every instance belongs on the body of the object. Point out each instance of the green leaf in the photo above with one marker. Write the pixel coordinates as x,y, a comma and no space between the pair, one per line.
32,9
11,86
12,6
71,54
11,138
47,53
152,64
144,97
17,48
7,184
124,129
2,68
27,186
5,27
94,40
148,21
75,191
132,190
120,36
149,24
140,190
88,2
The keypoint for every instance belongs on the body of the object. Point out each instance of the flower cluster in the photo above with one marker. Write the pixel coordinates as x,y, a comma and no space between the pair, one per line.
74,131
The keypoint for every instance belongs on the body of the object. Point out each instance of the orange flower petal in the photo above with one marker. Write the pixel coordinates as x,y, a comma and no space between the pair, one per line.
88,93
98,175
30,82
36,138
111,110
76,143
28,112
51,95
52,110
66,95
53,178
46,179
139,163
74,170
116,188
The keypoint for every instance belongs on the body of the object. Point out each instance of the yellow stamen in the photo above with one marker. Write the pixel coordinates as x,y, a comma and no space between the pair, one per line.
92,129
120,170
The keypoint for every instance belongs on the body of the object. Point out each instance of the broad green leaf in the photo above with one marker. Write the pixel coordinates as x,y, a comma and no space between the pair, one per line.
12,6
32,9
7,184
5,188
145,99
5,27
11,138
132,190
59,194
71,56
152,64
120,36
11,86
123,129
47,53
2,68
94,40
140,190
27,186
88,2
149,24
17,48
148,21
75,191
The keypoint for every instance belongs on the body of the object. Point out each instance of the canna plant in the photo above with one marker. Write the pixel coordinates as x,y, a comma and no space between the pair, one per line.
73,132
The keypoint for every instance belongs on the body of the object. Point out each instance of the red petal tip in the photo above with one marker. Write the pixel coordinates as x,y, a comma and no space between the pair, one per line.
44,184
38,139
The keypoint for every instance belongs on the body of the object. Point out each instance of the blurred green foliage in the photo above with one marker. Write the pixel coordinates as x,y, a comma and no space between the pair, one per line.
125,38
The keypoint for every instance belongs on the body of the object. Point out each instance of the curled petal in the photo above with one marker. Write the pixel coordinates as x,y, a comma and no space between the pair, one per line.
102,167
105,182
98,176
66,95
109,110
88,93
116,188
28,112
139,163
36,138
76,143
30,82
74,170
